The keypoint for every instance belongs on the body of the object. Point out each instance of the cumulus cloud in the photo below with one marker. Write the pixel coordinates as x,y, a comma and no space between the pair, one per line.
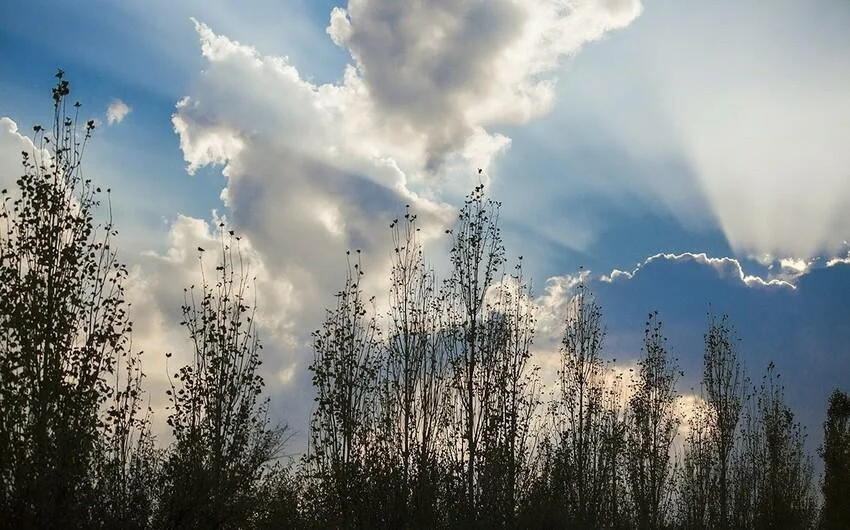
12,143
552,306
839,260
615,275
726,268
117,111
313,170
443,71
316,169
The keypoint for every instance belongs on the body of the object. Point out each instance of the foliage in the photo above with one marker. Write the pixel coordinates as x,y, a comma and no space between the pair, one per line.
653,423
345,370
66,424
587,429
835,452
223,436
774,473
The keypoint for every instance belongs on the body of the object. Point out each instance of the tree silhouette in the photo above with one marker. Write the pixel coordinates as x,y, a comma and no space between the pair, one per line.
345,370
63,328
835,452
723,384
774,474
653,423
223,436
696,488
580,464
477,256
412,379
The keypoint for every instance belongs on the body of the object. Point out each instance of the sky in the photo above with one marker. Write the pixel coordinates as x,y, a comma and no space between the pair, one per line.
680,157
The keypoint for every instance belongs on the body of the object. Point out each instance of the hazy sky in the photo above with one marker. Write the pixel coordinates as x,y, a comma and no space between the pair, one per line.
682,154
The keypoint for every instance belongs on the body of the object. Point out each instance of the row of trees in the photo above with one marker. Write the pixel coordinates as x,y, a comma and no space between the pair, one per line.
433,416
76,450
428,414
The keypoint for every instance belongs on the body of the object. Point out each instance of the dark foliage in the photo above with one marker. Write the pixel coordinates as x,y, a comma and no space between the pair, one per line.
223,437
71,436
835,452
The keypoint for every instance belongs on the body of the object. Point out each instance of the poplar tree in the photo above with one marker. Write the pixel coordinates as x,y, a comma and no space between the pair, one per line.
64,327
652,428
477,256
413,377
723,384
224,439
835,452
343,425
582,469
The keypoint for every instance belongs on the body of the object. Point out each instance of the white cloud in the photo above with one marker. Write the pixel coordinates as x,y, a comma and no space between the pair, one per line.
552,305
725,267
116,112
441,72
316,169
794,266
615,275
839,260
12,143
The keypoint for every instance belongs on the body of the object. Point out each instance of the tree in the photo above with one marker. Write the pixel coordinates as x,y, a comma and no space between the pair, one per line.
508,439
279,494
129,463
696,476
63,327
582,468
652,429
413,377
223,436
342,429
723,383
835,452
774,475
477,256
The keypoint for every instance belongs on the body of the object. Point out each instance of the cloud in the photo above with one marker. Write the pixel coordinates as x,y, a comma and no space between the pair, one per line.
725,267
615,275
117,111
12,143
441,72
839,260
313,170
552,305
156,291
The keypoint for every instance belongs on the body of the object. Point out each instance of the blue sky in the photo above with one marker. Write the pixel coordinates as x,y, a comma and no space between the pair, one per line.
618,136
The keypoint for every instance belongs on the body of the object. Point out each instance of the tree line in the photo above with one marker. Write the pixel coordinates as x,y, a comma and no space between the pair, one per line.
429,413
